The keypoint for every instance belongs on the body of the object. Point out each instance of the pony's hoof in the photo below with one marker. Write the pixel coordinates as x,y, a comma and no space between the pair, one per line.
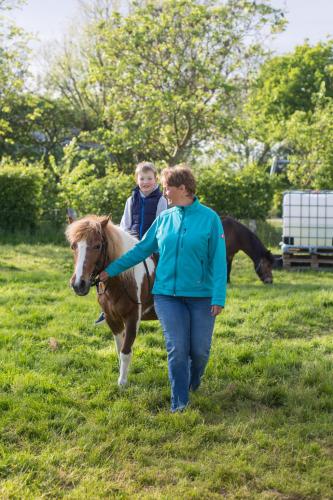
122,382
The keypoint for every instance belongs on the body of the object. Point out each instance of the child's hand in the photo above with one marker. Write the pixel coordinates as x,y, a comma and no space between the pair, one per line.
103,276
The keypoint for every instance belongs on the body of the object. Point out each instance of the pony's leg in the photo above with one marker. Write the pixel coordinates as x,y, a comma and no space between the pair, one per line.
119,340
125,361
229,265
131,328
117,328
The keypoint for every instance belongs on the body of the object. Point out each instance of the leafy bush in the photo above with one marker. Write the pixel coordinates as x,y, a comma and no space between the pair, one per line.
85,193
20,195
244,195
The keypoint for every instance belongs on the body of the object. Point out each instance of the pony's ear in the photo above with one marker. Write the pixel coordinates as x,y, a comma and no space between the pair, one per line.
71,215
105,221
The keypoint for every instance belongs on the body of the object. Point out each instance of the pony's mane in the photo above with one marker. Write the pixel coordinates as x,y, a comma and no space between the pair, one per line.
256,242
83,228
118,240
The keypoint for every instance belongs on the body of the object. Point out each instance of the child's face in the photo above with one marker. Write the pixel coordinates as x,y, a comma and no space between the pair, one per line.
146,182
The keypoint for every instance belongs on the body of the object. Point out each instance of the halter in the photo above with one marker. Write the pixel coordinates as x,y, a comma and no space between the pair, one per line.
94,277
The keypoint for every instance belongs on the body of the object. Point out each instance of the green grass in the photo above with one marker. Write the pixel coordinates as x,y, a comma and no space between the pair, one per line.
259,427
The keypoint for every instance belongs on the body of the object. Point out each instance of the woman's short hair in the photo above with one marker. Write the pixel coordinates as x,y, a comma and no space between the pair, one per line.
178,175
144,167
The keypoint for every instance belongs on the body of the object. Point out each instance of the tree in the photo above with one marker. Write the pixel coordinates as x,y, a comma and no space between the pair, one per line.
310,139
67,65
166,74
13,71
288,84
290,109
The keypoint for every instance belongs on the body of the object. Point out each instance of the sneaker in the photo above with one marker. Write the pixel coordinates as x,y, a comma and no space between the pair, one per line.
100,319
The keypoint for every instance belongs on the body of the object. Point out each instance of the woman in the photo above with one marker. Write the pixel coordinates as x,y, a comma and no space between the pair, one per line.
190,283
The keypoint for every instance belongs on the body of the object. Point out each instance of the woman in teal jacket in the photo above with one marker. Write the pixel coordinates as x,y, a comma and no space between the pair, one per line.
190,283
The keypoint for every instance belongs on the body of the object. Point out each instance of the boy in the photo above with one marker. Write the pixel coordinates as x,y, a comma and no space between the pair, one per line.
146,202
142,207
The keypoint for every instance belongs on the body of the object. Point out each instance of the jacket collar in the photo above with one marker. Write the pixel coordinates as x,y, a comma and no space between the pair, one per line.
155,192
189,208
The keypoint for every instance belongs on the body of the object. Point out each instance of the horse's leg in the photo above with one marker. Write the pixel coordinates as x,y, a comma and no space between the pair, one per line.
119,340
229,265
117,328
131,328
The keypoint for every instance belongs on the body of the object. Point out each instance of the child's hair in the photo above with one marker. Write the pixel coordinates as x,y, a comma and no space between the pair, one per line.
178,175
145,166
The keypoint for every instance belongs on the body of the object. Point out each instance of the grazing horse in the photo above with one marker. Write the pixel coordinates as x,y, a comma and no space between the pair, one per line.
239,237
125,299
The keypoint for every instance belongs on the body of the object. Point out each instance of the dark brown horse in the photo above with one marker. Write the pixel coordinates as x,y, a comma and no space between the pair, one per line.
239,237
125,299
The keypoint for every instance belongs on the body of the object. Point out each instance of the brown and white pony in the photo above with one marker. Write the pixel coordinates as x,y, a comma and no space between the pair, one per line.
126,299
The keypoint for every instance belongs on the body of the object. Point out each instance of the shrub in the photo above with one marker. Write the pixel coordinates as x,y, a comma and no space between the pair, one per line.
85,193
244,195
20,193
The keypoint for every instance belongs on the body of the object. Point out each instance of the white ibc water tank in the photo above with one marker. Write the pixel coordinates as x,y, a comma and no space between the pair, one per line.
308,219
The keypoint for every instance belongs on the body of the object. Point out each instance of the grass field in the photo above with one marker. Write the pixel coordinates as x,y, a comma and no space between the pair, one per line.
260,426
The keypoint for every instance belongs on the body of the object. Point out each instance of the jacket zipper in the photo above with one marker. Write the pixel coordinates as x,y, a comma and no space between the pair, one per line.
177,249
142,217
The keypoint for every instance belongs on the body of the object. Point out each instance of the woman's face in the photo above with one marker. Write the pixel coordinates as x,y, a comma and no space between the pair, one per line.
174,195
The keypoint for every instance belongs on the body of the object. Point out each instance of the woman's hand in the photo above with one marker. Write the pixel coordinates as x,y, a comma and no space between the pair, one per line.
103,276
215,310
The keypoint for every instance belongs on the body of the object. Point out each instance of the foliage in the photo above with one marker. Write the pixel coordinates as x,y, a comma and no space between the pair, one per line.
13,74
244,195
288,113
310,140
161,80
259,427
38,127
82,190
31,126
270,232
287,84
20,195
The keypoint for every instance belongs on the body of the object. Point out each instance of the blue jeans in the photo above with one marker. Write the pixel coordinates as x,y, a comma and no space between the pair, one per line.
188,326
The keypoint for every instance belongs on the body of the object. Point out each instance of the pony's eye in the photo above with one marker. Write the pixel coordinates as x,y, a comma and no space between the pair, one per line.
97,247
73,246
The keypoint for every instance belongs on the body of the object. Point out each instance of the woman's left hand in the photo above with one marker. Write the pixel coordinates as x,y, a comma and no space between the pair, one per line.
215,310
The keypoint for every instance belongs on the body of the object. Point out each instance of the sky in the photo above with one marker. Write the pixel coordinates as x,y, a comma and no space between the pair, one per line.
308,19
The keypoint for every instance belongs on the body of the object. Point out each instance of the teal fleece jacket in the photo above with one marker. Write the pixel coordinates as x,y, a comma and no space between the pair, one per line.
191,245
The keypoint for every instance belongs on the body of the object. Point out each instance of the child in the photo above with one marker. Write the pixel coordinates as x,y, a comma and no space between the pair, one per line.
142,207
146,202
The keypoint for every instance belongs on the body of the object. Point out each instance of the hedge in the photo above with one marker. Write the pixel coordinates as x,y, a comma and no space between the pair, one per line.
244,195
29,194
20,196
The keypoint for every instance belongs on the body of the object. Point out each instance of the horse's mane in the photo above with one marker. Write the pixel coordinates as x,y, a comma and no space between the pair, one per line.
256,243
118,240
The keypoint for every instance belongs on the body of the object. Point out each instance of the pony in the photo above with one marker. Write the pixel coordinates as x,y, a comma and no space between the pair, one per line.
125,299
239,237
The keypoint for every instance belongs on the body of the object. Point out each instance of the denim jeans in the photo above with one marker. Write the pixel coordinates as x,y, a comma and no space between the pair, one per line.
188,326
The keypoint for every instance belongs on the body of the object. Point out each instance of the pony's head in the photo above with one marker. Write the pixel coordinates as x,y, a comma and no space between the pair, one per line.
264,267
89,244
